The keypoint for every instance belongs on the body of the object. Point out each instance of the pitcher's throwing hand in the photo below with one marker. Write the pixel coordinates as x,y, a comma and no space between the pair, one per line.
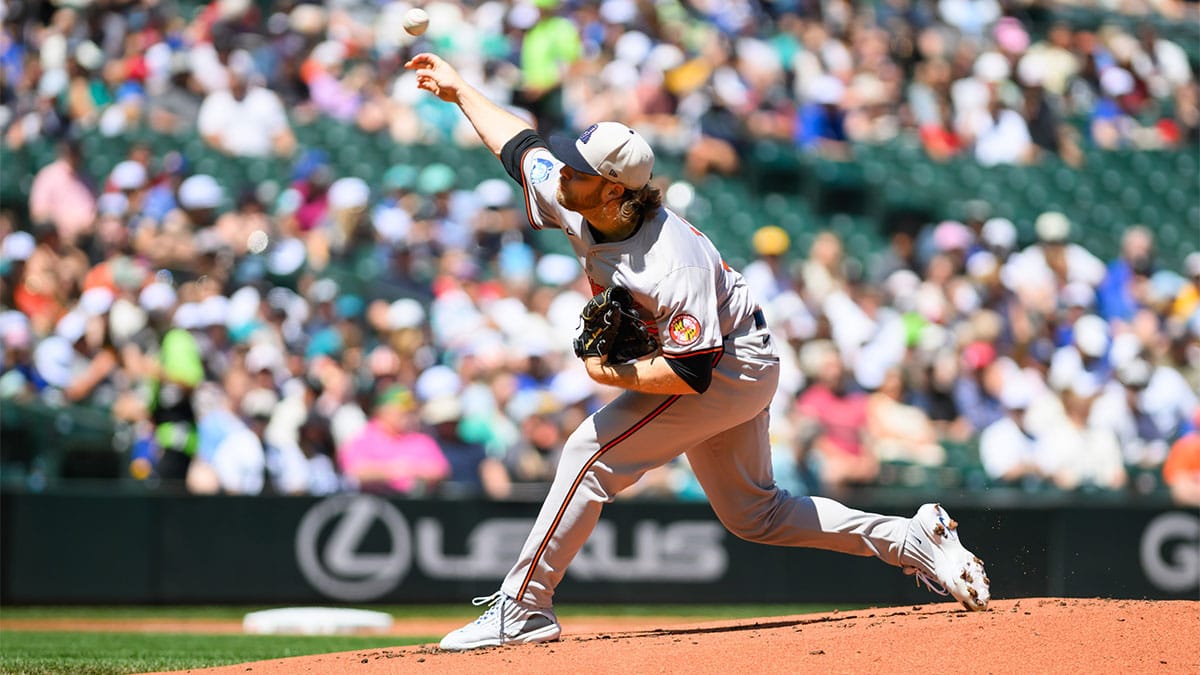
436,76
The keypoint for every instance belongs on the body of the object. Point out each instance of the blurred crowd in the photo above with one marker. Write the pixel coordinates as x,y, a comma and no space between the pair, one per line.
704,78
1064,370
209,319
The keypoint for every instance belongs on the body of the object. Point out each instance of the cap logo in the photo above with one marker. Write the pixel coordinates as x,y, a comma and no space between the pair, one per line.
612,173
587,134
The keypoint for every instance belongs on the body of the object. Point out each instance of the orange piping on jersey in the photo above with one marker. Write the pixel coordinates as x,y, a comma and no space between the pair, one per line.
579,479
525,189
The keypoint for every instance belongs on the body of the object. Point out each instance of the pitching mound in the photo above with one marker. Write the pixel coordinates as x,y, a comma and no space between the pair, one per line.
1014,636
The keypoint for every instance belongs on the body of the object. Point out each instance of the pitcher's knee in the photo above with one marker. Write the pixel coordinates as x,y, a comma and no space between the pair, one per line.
750,526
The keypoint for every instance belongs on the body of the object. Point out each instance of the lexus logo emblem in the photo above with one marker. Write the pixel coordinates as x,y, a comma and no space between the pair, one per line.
329,544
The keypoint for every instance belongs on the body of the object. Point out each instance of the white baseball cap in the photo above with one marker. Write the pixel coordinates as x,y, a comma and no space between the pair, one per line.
611,150
18,245
200,191
1000,233
1052,226
259,403
128,175
1016,393
405,313
1091,335
1077,294
349,193
96,301
1190,263
442,409
156,297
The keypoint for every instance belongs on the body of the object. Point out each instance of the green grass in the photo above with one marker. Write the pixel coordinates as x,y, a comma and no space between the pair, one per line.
61,653
462,610
95,653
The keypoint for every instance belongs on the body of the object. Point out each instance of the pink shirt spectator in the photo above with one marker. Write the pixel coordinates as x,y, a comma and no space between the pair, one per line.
59,196
377,456
843,417
334,99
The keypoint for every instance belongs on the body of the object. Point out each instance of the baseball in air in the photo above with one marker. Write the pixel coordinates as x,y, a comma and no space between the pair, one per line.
416,21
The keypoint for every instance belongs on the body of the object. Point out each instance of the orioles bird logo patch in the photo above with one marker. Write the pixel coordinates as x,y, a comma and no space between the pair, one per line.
684,329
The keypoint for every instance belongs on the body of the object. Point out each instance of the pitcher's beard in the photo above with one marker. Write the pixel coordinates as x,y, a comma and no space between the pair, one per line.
583,203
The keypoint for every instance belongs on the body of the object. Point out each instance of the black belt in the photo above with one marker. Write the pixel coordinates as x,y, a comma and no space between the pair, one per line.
760,321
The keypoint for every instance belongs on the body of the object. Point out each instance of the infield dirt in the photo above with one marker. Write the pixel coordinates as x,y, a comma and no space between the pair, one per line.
1031,635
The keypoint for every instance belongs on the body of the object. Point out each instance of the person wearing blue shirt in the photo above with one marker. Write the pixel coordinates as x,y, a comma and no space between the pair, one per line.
821,122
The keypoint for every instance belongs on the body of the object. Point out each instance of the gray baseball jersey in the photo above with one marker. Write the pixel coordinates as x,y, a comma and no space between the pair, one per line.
700,305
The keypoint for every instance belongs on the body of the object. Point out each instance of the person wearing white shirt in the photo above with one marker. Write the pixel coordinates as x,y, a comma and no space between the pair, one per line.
245,120
1054,260
1145,409
1169,400
1004,138
1077,454
1008,452
767,275
240,460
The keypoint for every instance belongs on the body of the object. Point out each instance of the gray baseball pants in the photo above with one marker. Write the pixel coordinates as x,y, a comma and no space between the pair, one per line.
724,434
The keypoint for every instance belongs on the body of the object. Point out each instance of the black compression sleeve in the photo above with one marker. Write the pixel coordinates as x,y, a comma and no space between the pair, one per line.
515,149
696,370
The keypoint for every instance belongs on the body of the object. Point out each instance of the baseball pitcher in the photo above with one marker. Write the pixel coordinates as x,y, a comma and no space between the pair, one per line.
677,329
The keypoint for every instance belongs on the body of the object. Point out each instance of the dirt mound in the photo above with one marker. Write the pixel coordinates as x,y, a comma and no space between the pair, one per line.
1014,636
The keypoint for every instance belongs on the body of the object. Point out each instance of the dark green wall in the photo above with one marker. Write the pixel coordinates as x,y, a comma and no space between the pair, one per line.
145,549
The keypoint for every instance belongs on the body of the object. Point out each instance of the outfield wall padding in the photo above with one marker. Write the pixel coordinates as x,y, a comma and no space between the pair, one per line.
160,549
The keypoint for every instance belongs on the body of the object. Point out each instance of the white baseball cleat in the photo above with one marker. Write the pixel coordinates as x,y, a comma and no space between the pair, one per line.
933,553
506,621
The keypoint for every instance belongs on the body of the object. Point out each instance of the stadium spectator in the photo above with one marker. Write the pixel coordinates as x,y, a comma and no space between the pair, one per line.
821,122
977,392
390,454
1076,453
533,458
317,444
934,394
63,195
1181,471
239,461
245,120
49,279
173,105
1124,287
1002,136
899,432
431,258
768,275
831,418
1187,300
180,370
472,472
550,50
1008,452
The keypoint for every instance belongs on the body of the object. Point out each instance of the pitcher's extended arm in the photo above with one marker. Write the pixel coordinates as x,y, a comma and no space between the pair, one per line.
494,124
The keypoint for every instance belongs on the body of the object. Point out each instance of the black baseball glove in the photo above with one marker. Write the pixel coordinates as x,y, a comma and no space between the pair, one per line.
613,328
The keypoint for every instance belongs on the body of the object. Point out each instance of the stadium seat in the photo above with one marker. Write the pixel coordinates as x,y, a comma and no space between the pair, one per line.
776,205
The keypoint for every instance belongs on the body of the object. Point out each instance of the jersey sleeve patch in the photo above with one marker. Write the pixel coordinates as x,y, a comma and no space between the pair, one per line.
540,183
684,329
541,171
